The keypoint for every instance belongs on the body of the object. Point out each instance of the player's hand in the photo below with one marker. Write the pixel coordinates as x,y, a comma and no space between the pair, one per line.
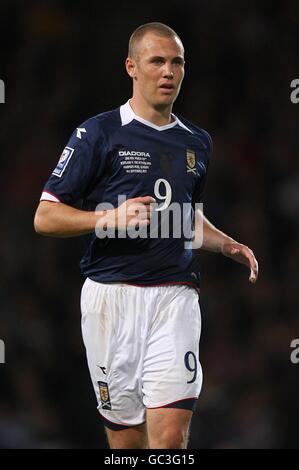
133,212
244,255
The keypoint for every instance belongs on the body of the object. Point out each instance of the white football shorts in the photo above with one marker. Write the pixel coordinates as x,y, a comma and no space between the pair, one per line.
142,346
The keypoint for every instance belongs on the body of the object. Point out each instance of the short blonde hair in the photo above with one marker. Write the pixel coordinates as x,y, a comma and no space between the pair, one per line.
160,29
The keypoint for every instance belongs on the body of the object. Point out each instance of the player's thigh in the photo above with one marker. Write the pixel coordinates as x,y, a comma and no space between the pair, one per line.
134,437
172,373
109,325
168,428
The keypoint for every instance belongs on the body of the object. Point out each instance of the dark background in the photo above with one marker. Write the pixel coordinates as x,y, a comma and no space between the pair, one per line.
62,62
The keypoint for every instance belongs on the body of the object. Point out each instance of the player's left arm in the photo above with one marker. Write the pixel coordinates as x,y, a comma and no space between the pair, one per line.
208,237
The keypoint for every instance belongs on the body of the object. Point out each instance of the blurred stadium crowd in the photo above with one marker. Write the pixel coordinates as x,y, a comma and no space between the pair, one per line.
63,62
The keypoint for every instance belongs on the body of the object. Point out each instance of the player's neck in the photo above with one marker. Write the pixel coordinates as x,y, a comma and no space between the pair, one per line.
159,117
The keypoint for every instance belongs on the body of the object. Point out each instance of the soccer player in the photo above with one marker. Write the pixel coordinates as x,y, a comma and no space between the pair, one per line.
140,308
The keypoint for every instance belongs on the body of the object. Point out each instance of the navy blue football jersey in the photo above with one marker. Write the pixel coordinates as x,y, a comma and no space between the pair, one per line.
118,153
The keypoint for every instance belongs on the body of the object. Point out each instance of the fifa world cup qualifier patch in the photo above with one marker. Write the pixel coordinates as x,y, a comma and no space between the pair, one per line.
190,161
63,161
104,395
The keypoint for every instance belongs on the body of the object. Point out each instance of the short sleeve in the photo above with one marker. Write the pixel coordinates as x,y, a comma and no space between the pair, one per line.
81,162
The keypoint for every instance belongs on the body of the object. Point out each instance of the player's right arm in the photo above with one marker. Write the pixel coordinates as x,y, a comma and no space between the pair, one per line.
60,220
56,219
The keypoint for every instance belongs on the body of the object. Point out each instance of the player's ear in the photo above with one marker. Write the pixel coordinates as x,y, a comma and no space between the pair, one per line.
131,67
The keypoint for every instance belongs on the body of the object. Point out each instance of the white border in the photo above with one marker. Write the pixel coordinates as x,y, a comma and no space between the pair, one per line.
48,197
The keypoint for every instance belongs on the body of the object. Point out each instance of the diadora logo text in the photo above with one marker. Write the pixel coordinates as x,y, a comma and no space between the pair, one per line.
132,153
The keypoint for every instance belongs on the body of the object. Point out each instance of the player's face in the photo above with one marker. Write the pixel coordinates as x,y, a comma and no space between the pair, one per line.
159,69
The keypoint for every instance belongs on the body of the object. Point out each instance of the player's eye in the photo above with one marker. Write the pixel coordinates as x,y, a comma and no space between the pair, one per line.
178,61
157,61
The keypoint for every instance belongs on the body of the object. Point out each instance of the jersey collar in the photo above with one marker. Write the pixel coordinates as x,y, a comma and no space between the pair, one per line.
127,115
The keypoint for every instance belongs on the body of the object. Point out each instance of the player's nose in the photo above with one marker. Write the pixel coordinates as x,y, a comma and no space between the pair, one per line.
168,72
